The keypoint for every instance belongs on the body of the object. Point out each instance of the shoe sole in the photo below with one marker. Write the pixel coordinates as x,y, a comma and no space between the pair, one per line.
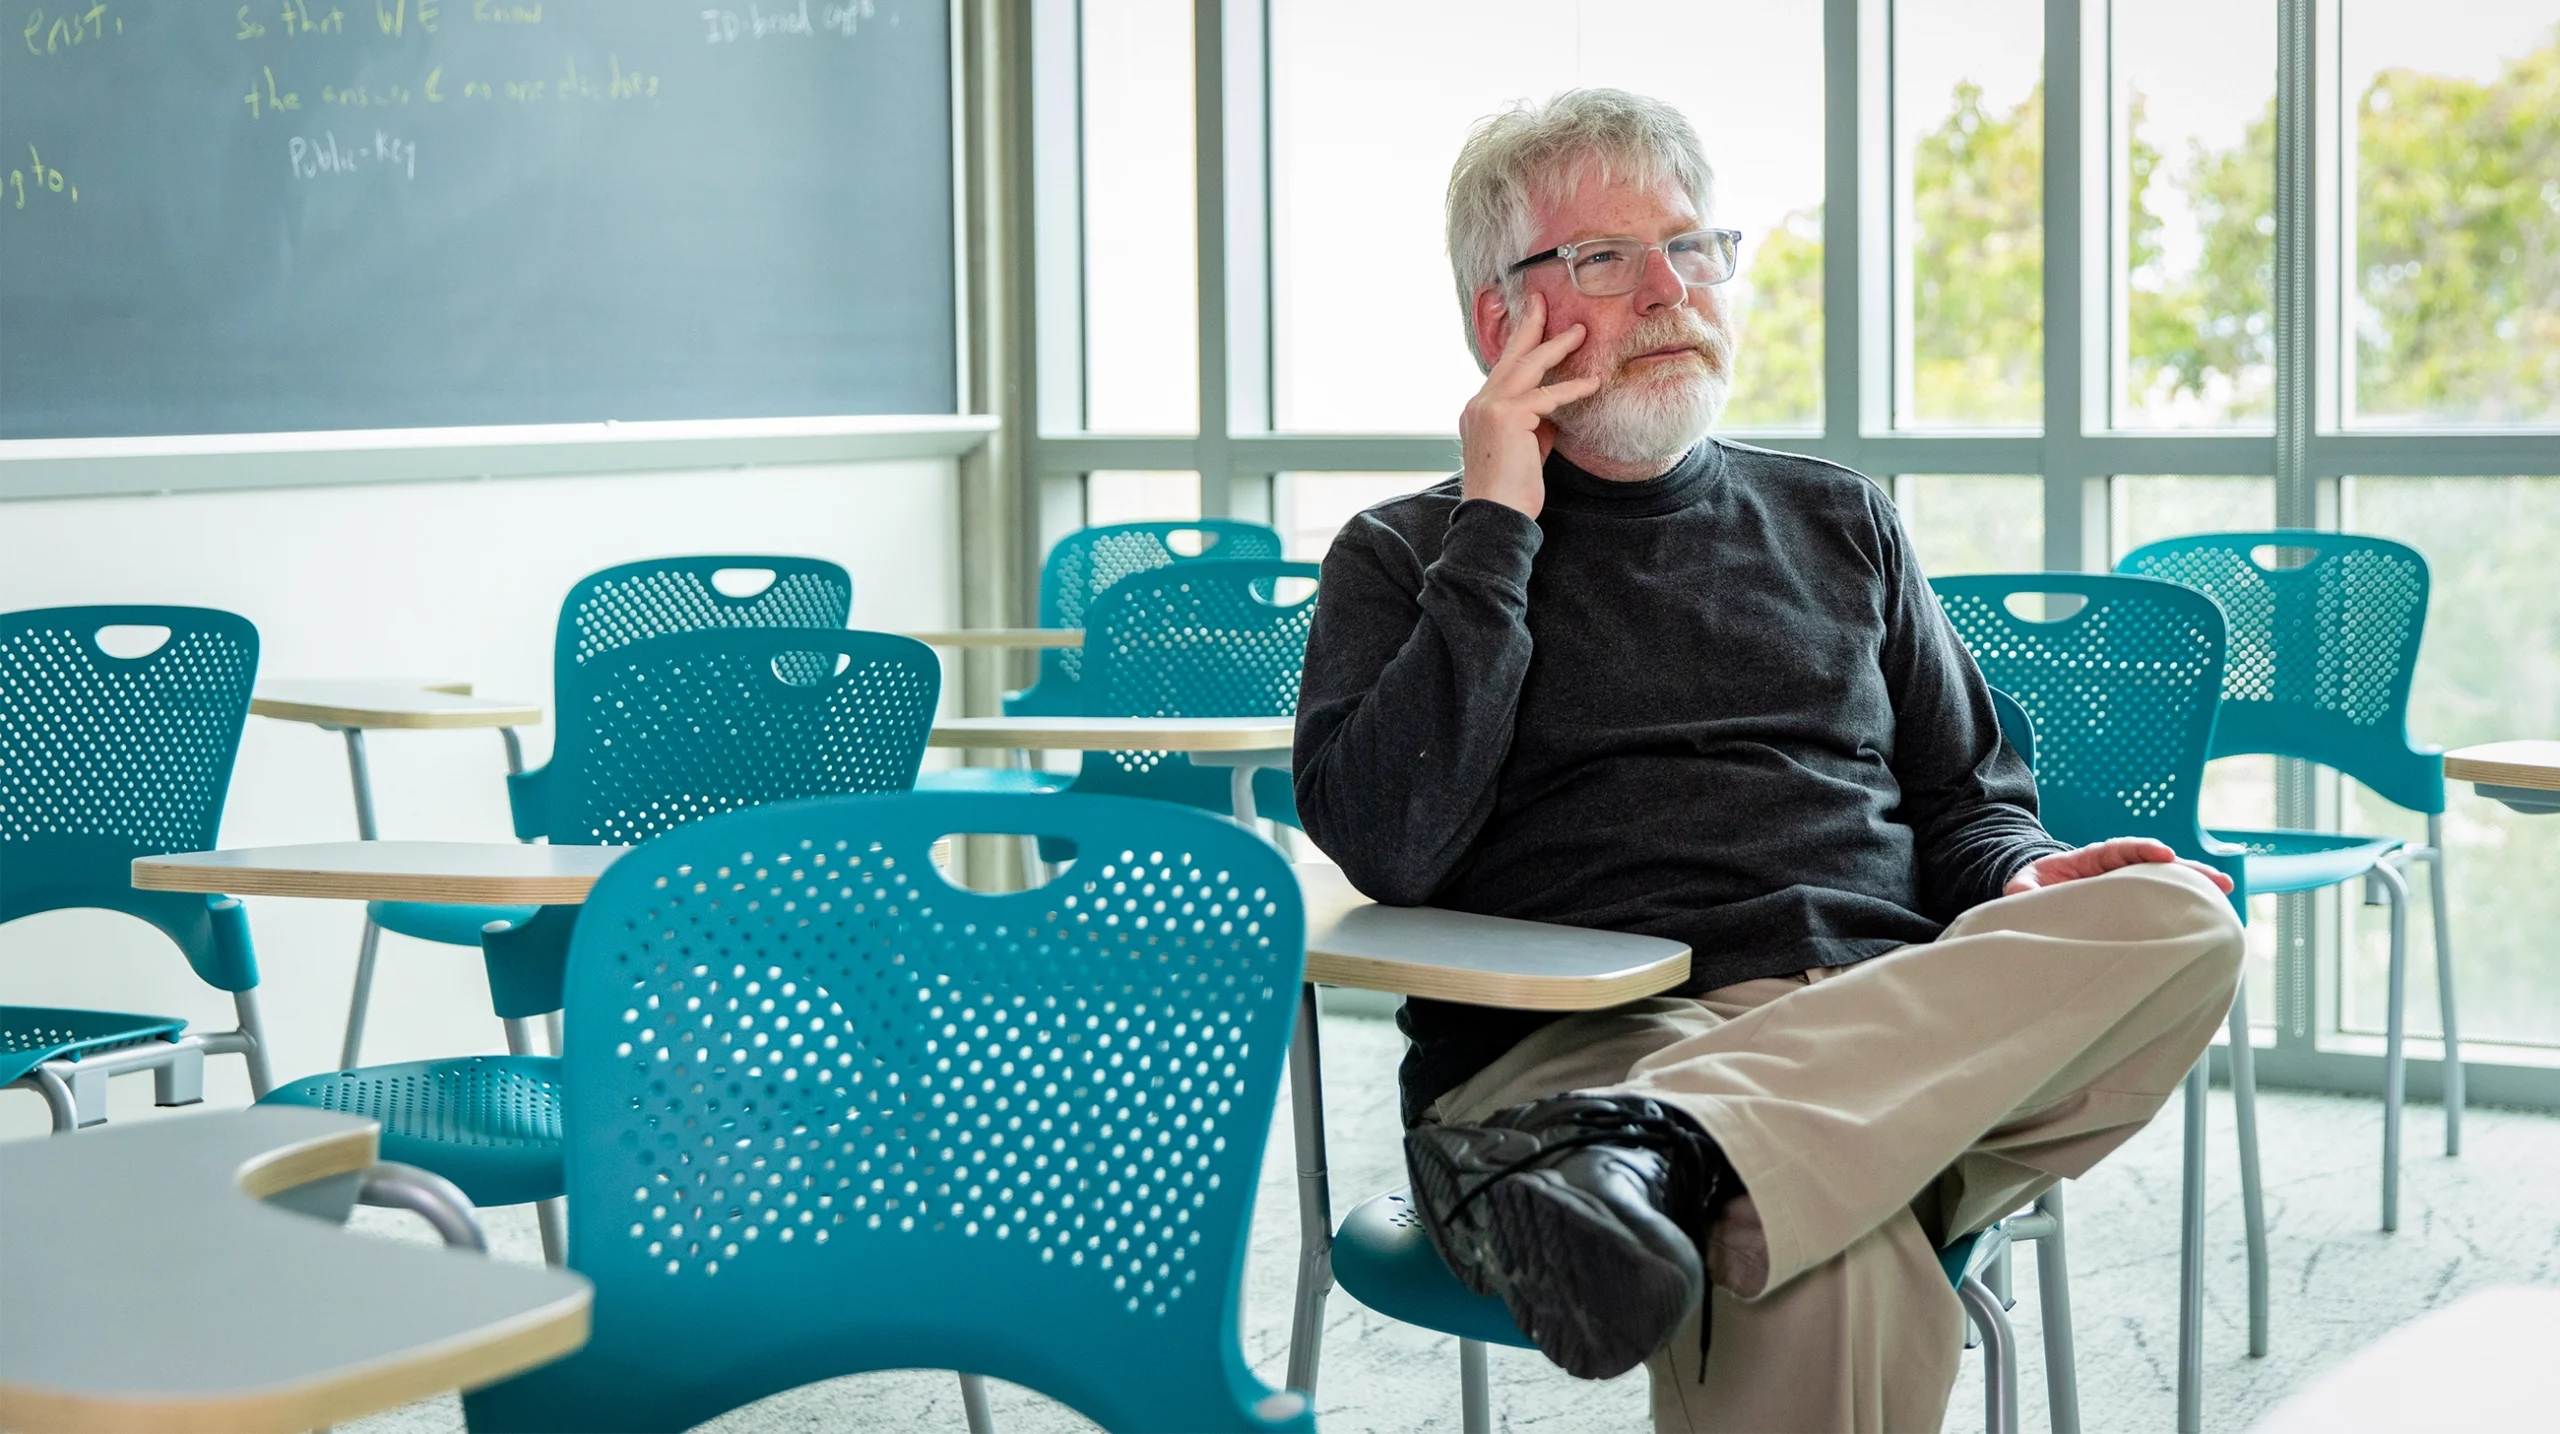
1603,1299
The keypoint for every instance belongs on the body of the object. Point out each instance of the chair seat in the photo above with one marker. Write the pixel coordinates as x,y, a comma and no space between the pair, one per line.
32,1035
992,779
438,921
2282,861
490,1124
1383,1258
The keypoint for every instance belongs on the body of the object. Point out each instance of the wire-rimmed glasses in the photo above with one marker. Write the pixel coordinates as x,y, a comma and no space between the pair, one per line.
1601,267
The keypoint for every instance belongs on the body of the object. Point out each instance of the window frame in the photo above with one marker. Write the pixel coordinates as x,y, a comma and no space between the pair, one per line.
2077,452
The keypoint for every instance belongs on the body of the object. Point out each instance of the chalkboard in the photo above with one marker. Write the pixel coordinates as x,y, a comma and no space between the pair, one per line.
295,215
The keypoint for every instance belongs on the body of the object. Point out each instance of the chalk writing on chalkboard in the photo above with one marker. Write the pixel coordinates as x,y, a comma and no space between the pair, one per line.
596,209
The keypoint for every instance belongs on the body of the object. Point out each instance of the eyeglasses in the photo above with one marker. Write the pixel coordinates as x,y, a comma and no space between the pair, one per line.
1601,267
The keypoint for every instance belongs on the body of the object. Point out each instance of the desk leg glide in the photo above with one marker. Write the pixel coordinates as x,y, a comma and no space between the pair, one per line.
1315,1197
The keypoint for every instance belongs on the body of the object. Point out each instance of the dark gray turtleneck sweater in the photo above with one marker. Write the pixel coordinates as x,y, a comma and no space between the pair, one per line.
1720,706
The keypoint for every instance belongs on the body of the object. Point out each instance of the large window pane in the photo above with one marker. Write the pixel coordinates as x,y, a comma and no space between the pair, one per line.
2193,140
1140,497
2453,254
1369,105
1314,506
1141,250
1960,523
2490,669
1968,124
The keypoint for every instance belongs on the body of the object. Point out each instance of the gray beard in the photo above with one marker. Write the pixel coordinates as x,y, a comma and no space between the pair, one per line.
1646,423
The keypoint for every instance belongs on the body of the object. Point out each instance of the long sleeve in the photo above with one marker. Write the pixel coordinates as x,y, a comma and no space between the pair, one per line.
1967,798
1405,711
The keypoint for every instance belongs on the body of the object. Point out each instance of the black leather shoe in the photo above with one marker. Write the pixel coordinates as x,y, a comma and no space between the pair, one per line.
1585,1213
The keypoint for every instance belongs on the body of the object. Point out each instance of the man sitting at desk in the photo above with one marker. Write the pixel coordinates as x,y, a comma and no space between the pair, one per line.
1621,674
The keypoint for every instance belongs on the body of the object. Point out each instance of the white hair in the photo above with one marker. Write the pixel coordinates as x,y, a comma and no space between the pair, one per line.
1532,153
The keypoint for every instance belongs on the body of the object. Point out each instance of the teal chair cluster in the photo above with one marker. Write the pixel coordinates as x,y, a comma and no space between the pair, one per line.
2325,629
105,758
1087,563
604,611
830,1113
2122,693
653,734
1080,568
1204,639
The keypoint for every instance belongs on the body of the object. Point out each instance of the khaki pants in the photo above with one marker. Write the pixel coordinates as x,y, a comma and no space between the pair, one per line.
1878,1111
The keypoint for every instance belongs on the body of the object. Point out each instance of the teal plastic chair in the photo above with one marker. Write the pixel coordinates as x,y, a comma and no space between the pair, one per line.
653,734
1080,568
1206,639
1383,1257
604,611
2122,693
833,1114
1087,563
104,759
2323,655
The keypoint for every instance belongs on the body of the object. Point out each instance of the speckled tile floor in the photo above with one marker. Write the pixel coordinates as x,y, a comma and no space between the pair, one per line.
2491,1217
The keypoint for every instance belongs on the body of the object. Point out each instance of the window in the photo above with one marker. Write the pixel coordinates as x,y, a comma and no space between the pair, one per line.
1361,142
1973,524
2489,669
2430,287
2192,132
1314,506
1968,178
1140,497
1141,255
2452,259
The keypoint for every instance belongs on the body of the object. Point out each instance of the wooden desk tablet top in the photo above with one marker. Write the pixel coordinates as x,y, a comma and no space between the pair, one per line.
388,704
2534,766
2478,1363
1477,960
468,872
1001,637
148,1287
1117,734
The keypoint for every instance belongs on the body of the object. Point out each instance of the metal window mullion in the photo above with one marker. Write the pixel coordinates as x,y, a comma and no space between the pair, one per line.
1209,179
2074,524
2297,497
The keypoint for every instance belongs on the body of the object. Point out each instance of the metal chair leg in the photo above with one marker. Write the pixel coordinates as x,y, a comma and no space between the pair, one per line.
2191,1261
2253,1194
244,1006
973,1404
1315,1197
2053,1294
351,1045
1995,1278
2443,910
58,1100
1475,1389
1999,1356
2395,891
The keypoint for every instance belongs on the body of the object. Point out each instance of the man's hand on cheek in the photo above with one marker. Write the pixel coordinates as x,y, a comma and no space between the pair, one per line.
2100,858
1503,433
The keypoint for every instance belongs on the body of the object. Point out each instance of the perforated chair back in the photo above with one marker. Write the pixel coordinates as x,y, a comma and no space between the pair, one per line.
2322,654
105,758
1084,565
657,597
828,1113
2120,696
1206,639
668,730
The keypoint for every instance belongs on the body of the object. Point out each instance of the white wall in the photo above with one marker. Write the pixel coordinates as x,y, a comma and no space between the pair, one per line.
443,580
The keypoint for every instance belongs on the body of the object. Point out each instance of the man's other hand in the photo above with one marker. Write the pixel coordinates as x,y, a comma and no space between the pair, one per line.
2100,858
1503,432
